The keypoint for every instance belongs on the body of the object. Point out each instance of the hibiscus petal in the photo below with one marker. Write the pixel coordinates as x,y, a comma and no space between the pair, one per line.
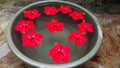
56,58
71,38
26,43
65,9
52,52
50,10
65,58
31,14
24,26
82,30
33,39
79,43
90,28
66,49
77,15
58,47
55,25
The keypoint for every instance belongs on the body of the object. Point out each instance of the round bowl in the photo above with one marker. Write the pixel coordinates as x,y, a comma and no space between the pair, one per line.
38,57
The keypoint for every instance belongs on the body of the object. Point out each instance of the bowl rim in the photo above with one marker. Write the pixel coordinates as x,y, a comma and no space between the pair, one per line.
80,61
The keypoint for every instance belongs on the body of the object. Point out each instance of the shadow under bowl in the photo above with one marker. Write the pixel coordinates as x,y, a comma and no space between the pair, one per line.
38,56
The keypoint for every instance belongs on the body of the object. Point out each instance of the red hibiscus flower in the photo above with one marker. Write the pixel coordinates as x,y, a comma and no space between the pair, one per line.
85,26
65,9
77,15
32,39
60,53
55,25
50,10
31,14
24,26
78,38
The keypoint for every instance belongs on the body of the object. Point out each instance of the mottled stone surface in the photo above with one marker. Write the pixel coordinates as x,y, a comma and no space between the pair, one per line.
109,53
107,56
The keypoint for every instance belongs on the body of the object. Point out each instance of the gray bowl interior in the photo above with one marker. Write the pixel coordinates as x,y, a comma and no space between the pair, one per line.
40,53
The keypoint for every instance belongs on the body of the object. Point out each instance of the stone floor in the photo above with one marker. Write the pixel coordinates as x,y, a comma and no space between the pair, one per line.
107,56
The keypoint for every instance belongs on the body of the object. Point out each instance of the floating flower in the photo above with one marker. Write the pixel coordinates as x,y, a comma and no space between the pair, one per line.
24,26
32,39
55,25
85,26
78,38
50,10
77,15
65,9
60,53
31,14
